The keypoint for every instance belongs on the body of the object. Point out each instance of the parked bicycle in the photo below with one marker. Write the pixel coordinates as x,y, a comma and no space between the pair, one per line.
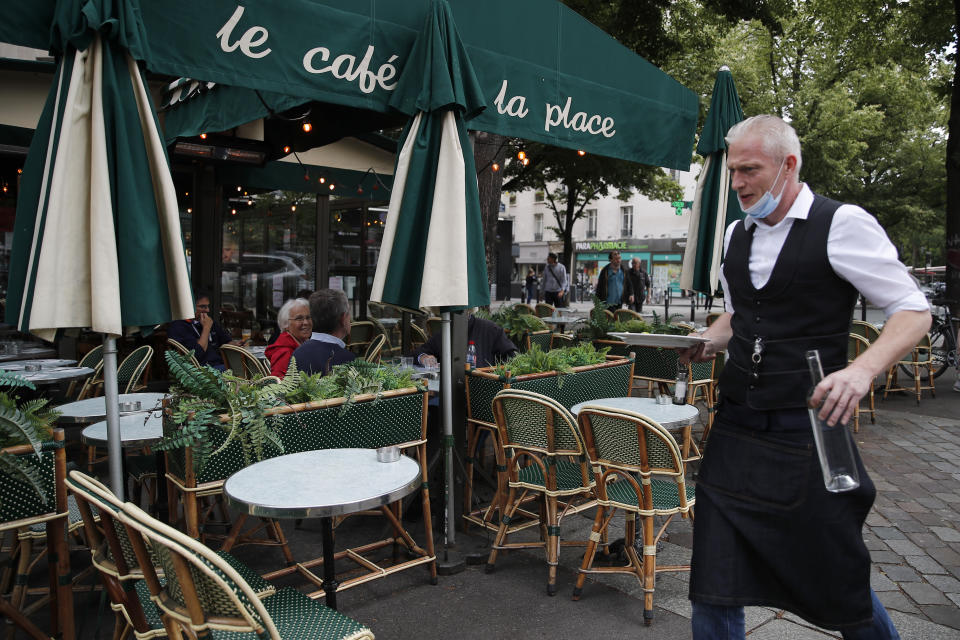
943,336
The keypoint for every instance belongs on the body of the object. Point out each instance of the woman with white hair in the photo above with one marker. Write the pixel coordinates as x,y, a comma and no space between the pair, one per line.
296,326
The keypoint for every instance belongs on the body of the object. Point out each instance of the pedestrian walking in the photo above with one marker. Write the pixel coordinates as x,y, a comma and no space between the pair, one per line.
531,285
768,532
554,282
614,287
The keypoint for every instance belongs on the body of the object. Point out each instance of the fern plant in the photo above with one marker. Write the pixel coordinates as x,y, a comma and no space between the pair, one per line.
27,422
561,360
515,322
203,395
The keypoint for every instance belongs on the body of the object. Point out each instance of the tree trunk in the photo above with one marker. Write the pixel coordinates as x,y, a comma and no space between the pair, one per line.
489,149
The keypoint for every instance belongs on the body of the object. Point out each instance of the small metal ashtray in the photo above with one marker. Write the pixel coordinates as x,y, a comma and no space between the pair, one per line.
388,454
126,407
32,367
664,399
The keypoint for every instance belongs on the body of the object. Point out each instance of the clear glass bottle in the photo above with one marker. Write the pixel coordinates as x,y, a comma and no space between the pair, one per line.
834,447
680,385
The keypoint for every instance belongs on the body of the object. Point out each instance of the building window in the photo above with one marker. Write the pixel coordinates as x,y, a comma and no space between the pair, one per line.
591,223
538,195
513,198
626,222
538,227
675,175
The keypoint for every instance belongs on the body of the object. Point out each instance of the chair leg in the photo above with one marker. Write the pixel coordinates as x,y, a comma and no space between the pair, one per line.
590,553
649,568
553,544
512,504
873,409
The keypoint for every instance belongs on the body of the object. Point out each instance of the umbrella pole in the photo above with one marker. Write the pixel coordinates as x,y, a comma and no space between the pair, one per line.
446,384
114,451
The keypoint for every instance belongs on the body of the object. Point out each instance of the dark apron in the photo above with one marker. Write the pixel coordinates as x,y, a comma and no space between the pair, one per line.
767,532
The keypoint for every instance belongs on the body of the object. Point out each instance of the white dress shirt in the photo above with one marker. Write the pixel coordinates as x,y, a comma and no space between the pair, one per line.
326,337
858,249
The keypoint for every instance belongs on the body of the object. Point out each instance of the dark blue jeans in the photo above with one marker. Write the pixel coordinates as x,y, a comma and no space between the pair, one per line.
717,622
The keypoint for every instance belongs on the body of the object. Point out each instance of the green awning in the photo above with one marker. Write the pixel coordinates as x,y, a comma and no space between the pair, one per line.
545,72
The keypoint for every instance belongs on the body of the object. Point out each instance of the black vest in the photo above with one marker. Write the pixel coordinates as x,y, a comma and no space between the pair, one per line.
804,305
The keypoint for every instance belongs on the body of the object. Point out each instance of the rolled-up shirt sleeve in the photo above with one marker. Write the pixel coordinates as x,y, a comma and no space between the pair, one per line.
861,253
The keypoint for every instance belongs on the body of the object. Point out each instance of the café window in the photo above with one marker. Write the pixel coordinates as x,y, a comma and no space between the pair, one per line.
626,222
591,223
268,254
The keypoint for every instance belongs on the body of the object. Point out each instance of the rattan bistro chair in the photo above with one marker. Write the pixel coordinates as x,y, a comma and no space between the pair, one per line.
242,362
856,345
624,315
202,594
643,476
182,349
361,333
94,360
918,361
545,310
545,456
375,348
120,571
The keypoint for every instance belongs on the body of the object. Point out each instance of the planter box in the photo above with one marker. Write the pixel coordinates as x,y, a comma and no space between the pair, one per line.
605,380
18,501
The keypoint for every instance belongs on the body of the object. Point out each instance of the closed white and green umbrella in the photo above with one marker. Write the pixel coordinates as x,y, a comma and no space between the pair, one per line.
97,236
715,204
433,249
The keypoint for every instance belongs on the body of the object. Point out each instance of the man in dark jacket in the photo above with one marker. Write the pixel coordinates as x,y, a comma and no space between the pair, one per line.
613,284
640,281
330,311
491,341
202,334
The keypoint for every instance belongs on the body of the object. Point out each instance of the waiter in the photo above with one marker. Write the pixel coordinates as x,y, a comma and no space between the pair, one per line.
767,532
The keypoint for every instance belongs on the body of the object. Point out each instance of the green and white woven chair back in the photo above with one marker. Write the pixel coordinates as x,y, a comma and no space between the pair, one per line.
530,419
132,368
92,358
655,363
701,370
18,499
865,329
221,590
856,344
108,506
545,310
374,349
617,441
540,338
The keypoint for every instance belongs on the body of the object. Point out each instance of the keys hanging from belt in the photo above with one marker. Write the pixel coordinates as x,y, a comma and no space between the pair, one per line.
756,358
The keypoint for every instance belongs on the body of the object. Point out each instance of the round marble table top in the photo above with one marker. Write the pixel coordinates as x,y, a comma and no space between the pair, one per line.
320,483
136,430
93,409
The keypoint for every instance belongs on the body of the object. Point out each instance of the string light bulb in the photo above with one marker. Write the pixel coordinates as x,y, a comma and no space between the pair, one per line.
233,212
332,186
495,166
286,148
522,155
293,207
526,161
189,209
203,136
307,127
321,179
239,188
581,152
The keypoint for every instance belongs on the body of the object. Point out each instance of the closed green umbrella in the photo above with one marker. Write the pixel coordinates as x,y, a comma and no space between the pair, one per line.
97,236
432,252
715,204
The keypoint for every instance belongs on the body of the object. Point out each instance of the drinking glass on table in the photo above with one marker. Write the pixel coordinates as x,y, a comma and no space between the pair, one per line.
245,335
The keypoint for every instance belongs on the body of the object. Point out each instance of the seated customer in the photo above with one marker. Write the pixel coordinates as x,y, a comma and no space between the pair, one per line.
202,334
491,341
330,311
295,328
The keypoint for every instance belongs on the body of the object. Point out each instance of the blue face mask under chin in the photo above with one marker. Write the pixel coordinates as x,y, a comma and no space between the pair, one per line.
767,202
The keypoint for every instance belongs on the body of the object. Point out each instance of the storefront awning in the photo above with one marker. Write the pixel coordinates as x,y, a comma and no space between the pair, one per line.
547,74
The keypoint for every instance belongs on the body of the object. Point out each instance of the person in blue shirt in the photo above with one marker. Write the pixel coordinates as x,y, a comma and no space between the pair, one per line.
202,334
326,348
614,287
